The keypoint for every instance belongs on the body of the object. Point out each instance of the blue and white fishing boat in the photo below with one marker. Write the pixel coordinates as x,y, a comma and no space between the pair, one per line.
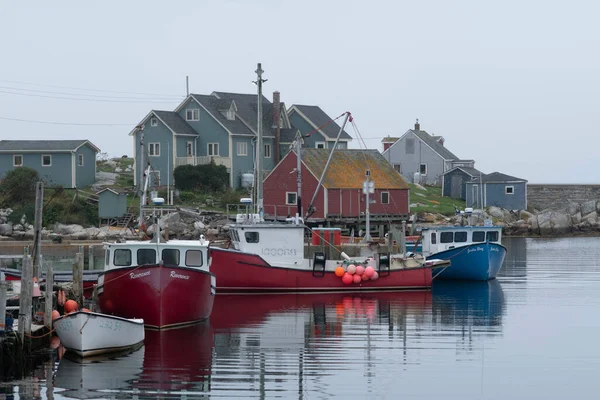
476,252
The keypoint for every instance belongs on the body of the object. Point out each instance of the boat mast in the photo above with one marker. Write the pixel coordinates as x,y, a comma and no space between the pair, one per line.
368,188
142,181
259,143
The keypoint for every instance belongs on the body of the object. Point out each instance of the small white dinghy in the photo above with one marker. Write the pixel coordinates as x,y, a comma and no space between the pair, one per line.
88,333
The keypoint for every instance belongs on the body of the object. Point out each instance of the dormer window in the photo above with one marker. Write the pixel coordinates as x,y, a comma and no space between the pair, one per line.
192,114
230,114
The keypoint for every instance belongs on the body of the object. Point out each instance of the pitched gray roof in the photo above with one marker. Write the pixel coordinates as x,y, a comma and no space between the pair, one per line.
175,122
215,106
319,118
474,172
42,145
437,147
499,177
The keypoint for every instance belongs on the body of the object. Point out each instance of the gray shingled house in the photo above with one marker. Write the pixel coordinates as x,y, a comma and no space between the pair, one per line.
498,190
453,181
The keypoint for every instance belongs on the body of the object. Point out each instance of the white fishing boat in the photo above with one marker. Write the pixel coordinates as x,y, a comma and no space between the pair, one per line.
88,333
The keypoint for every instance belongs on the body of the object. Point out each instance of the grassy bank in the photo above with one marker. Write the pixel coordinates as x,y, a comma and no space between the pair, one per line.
430,199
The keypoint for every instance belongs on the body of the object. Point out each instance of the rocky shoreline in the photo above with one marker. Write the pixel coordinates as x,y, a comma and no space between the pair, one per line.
576,219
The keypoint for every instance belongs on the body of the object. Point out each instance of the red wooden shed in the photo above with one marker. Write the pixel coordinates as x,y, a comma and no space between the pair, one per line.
341,193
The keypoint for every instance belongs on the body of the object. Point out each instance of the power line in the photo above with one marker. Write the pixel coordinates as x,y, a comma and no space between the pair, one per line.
84,99
60,123
85,95
88,89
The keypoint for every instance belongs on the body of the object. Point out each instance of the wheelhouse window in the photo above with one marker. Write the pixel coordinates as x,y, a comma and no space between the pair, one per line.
213,149
46,160
509,189
291,198
107,258
170,256
423,169
193,258
446,237
251,237
492,236
122,258
80,160
146,256
385,197
154,149
478,236
433,238
460,237
192,114
17,160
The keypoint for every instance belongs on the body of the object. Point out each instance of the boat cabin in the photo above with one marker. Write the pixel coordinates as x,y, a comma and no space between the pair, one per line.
182,253
442,238
276,243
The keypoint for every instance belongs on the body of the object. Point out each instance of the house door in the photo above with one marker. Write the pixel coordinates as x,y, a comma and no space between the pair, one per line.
474,196
456,187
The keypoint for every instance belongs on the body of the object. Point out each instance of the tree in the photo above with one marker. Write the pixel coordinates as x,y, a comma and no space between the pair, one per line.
18,187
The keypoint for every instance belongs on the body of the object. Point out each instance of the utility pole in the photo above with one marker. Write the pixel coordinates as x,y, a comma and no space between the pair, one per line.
187,86
143,171
299,172
259,143
39,205
368,188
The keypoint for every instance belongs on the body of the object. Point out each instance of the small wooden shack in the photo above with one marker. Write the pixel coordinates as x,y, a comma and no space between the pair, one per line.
112,203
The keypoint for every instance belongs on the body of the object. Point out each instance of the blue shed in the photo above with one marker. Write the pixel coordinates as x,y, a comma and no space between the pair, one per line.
453,181
498,190
66,163
112,203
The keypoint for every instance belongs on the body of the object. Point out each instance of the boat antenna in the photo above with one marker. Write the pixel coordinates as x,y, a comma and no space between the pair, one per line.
258,165
311,208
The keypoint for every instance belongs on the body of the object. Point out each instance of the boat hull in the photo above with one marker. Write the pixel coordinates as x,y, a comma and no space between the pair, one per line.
164,296
90,334
246,272
477,262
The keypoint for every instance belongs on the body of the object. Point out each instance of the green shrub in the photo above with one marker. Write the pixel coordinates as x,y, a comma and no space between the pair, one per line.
18,187
207,177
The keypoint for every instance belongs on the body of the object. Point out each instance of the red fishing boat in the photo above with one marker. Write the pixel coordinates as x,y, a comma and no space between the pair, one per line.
166,283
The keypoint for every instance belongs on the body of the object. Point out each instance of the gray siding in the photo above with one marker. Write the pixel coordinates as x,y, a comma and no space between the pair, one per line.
494,194
59,173
181,142
156,134
454,184
304,127
111,205
209,130
242,164
410,163
85,175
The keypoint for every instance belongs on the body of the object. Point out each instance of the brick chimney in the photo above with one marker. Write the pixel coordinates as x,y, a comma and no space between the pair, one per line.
276,123
417,125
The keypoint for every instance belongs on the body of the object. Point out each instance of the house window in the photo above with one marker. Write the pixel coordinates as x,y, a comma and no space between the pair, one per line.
410,146
189,149
342,145
192,114
509,189
213,149
291,198
155,178
46,160
153,122
251,237
320,145
154,149
242,149
17,160
423,169
80,160
193,258
385,197
230,114
267,151
398,168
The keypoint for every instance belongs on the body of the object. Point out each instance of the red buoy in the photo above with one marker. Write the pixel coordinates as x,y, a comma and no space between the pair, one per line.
71,306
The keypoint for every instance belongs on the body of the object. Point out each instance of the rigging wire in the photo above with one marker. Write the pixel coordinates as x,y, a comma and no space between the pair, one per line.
84,99
86,95
60,123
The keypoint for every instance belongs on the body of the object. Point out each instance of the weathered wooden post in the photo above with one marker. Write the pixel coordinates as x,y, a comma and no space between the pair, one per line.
91,260
48,297
3,291
37,232
25,298
78,278
390,239
402,242
49,368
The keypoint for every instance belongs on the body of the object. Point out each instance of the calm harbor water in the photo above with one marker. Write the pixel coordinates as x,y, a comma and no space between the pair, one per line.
532,333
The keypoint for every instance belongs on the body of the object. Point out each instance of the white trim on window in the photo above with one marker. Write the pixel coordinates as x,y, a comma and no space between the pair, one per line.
320,145
189,149
153,121
397,167
49,160
212,149
509,190
154,149
80,160
289,201
155,177
15,164
242,148
387,199
192,114
267,148
421,165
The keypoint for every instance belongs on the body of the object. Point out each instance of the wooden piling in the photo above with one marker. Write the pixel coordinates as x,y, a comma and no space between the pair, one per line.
39,205
402,241
25,298
78,278
48,297
3,294
91,257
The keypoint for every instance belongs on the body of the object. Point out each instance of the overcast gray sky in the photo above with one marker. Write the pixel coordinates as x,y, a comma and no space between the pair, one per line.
512,84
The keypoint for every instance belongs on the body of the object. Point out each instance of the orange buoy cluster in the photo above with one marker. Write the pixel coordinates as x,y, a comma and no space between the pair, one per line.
356,273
